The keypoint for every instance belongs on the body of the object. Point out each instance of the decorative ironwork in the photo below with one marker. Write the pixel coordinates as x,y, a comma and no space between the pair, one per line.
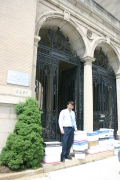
72,86
51,50
102,60
58,42
104,92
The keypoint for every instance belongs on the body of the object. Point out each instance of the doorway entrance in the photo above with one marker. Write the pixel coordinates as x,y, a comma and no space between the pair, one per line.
104,92
59,78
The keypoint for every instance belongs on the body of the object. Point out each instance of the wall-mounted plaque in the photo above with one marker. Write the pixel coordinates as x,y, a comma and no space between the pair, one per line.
18,78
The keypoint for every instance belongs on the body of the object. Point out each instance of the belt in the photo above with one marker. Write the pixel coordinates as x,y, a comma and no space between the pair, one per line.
68,126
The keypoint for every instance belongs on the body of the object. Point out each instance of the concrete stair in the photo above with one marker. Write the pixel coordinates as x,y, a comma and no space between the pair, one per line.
32,174
75,162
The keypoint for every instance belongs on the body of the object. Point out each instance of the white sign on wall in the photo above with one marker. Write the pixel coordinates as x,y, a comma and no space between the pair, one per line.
18,78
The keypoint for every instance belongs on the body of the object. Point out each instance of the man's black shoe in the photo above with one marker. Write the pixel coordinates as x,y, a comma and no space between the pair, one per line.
68,157
63,160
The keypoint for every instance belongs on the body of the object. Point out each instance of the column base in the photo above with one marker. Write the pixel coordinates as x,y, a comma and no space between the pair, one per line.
118,135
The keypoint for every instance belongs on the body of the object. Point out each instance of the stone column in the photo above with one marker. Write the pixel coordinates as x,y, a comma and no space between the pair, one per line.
88,94
118,103
33,78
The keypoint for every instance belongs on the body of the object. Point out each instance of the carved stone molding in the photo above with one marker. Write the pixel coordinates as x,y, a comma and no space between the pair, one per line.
89,34
66,16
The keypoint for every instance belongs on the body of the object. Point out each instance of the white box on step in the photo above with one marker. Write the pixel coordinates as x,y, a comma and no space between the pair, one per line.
111,131
103,133
79,154
52,150
111,139
80,136
79,146
103,148
52,158
116,147
93,150
92,136
117,142
52,144
103,141
110,147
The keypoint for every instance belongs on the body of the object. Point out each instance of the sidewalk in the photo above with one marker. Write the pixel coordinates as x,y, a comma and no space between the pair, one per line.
106,169
46,168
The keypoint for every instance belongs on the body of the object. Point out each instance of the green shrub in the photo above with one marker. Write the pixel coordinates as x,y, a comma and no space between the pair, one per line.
24,147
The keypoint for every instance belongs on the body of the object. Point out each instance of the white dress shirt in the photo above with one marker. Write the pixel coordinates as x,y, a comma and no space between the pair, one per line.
65,119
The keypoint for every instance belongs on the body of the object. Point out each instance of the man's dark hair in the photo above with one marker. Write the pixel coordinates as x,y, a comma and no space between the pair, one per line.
70,102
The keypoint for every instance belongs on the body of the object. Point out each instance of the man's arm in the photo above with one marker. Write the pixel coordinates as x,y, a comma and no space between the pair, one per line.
61,122
75,126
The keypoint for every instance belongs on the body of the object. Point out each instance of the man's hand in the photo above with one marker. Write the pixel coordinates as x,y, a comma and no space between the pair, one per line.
76,130
62,131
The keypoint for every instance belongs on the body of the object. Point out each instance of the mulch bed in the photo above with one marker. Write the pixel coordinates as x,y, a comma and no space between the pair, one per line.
4,170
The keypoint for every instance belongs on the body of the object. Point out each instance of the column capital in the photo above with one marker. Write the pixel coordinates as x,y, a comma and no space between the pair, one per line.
36,40
88,60
117,76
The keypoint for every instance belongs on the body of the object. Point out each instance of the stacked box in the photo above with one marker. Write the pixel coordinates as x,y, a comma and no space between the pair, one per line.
111,138
111,131
92,138
79,154
93,150
80,136
52,152
111,143
116,147
103,135
80,144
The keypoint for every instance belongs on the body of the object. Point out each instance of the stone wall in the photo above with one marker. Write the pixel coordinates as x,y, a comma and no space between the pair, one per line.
8,118
17,29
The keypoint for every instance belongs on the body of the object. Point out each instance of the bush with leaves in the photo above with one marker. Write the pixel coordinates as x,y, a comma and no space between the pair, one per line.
24,147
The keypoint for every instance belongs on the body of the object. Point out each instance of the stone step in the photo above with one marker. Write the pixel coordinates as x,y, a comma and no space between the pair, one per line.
32,174
74,162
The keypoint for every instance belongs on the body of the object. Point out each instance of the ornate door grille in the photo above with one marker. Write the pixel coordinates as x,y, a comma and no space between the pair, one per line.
53,48
72,86
104,92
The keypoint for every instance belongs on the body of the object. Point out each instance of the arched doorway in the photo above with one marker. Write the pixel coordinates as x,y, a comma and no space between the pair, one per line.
104,92
59,78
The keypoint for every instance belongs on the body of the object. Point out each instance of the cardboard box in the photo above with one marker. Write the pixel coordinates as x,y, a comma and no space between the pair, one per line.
111,131
92,136
80,136
52,150
111,139
92,143
52,159
79,154
79,146
111,147
103,141
93,150
103,133
103,148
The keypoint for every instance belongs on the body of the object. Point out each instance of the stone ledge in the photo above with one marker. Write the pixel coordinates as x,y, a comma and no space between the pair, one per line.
18,175
75,162
28,174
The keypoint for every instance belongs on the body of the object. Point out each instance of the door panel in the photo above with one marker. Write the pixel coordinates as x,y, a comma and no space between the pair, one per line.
47,95
72,90
104,101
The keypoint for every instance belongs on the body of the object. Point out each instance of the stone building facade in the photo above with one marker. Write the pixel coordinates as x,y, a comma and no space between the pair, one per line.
89,31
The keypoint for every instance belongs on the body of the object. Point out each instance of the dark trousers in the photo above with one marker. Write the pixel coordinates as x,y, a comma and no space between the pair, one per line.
67,141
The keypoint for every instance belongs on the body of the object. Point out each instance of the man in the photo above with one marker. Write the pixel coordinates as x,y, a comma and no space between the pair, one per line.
67,126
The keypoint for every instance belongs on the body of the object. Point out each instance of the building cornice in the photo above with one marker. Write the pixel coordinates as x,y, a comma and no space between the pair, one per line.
86,19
